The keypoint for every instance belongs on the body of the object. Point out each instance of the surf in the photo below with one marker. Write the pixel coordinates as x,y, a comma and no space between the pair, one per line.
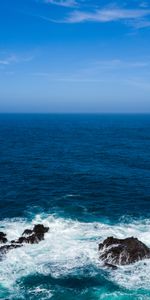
70,249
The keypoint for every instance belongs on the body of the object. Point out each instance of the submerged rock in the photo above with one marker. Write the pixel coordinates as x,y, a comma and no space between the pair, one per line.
6,248
31,239
110,266
115,251
3,238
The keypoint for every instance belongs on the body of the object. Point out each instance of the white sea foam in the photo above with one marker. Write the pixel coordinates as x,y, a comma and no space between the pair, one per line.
70,245
41,292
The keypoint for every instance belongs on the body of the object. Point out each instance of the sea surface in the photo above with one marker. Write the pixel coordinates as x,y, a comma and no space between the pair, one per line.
87,177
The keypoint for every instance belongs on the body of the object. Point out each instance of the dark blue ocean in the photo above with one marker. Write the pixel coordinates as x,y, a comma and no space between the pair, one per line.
87,177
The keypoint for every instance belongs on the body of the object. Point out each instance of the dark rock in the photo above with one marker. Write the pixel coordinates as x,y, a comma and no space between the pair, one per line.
34,239
27,232
31,239
123,251
3,238
6,248
40,229
33,236
113,267
21,240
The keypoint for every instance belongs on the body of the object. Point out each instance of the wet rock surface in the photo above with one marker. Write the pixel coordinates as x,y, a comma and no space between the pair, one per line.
3,238
6,248
29,236
27,232
110,266
115,251
33,236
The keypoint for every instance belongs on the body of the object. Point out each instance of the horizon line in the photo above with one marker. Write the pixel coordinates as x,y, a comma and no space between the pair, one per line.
74,113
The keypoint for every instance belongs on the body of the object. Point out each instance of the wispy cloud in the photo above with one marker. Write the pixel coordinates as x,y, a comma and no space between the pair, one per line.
106,15
141,24
117,63
133,17
112,68
97,71
65,3
12,59
144,4
8,60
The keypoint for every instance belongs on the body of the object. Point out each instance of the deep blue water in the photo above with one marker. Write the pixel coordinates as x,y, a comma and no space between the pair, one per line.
87,177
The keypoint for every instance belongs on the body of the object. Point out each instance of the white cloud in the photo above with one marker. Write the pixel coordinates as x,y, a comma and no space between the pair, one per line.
65,3
12,59
142,24
106,15
8,60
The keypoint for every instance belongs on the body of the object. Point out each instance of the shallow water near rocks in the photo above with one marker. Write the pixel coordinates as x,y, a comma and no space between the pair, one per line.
86,177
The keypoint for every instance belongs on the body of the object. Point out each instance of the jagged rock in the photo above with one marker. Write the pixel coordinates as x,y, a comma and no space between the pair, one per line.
123,251
110,266
3,238
31,239
6,248
40,229
33,236
29,236
27,232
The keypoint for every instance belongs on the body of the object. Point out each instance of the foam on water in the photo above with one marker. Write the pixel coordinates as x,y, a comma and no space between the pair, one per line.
69,246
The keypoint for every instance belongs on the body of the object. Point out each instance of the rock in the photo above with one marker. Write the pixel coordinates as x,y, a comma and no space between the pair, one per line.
31,239
40,229
3,238
27,232
33,236
6,248
123,251
29,236
110,266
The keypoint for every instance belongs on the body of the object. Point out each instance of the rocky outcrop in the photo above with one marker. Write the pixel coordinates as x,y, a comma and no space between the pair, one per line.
6,248
33,236
27,232
3,238
29,236
115,251
37,229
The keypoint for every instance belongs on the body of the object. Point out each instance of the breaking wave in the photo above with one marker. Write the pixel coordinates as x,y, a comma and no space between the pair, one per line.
68,258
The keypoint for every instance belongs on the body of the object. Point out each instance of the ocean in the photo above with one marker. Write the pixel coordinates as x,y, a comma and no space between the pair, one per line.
87,177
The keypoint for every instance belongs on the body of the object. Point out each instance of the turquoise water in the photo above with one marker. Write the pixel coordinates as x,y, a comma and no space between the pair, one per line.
86,177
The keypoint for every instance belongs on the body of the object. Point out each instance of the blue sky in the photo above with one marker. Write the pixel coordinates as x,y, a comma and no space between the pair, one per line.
74,56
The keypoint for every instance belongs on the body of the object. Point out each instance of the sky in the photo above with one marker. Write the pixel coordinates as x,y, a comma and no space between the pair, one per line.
75,56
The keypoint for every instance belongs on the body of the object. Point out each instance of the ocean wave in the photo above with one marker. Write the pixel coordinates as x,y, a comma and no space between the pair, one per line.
71,247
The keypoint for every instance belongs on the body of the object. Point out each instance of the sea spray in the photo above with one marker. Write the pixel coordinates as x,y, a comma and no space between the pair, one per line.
70,249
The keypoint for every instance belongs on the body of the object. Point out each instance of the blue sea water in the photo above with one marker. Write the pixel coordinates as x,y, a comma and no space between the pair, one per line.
87,177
